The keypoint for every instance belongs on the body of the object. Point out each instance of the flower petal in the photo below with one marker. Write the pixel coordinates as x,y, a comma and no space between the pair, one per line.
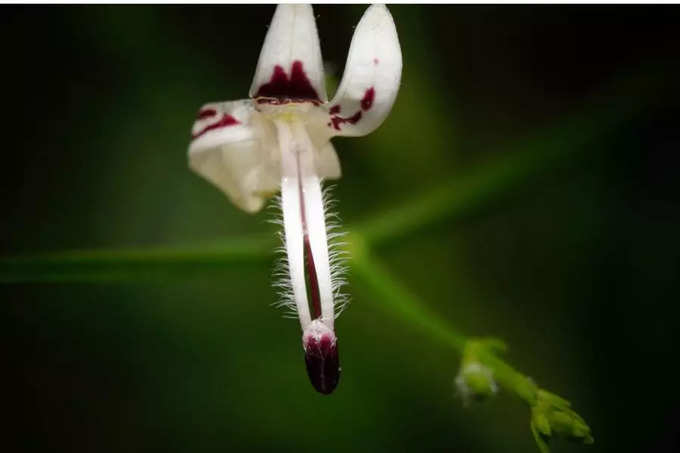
228,149
327,162
372,75
290,64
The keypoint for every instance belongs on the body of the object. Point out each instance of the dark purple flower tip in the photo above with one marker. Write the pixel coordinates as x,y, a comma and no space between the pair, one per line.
323,365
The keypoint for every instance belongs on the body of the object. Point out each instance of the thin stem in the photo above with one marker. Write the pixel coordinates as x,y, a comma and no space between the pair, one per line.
550,415
396,300
137,263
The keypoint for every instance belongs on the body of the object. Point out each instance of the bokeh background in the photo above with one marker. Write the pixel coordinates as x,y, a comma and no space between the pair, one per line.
577,269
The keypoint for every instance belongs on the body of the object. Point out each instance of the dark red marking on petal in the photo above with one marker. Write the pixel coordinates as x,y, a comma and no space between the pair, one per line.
354,118
334,110
312,279
206,113
338,120
277,84
323,364
227,120
369,97
296,87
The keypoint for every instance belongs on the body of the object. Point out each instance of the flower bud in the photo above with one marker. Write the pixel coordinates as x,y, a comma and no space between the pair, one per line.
475,380
553,416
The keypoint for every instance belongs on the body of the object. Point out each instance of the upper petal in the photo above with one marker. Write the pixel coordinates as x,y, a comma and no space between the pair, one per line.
229,148
290,64
372,75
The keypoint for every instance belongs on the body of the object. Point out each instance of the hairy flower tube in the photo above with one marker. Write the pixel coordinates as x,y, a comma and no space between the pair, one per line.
279,140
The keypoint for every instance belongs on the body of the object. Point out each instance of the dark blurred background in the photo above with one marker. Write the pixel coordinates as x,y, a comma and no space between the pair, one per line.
577,270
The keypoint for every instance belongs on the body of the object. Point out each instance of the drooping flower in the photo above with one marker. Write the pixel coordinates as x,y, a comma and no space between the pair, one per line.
279,140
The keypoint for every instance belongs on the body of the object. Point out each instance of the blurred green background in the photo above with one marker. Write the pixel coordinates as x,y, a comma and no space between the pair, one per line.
576,267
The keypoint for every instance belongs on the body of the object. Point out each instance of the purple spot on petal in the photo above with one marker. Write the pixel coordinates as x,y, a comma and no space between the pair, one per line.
369,97
297,87
376,61
323,364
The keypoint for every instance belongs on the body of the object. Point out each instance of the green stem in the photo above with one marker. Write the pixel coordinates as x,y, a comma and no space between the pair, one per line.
136,263
396,300
550,415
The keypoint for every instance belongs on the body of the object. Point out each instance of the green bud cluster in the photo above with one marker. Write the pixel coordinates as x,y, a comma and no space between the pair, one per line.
553,416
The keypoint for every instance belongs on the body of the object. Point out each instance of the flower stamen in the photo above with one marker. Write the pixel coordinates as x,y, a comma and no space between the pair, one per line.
307,251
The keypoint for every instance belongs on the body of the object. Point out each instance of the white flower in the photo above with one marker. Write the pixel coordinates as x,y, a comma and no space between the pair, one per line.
279,139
